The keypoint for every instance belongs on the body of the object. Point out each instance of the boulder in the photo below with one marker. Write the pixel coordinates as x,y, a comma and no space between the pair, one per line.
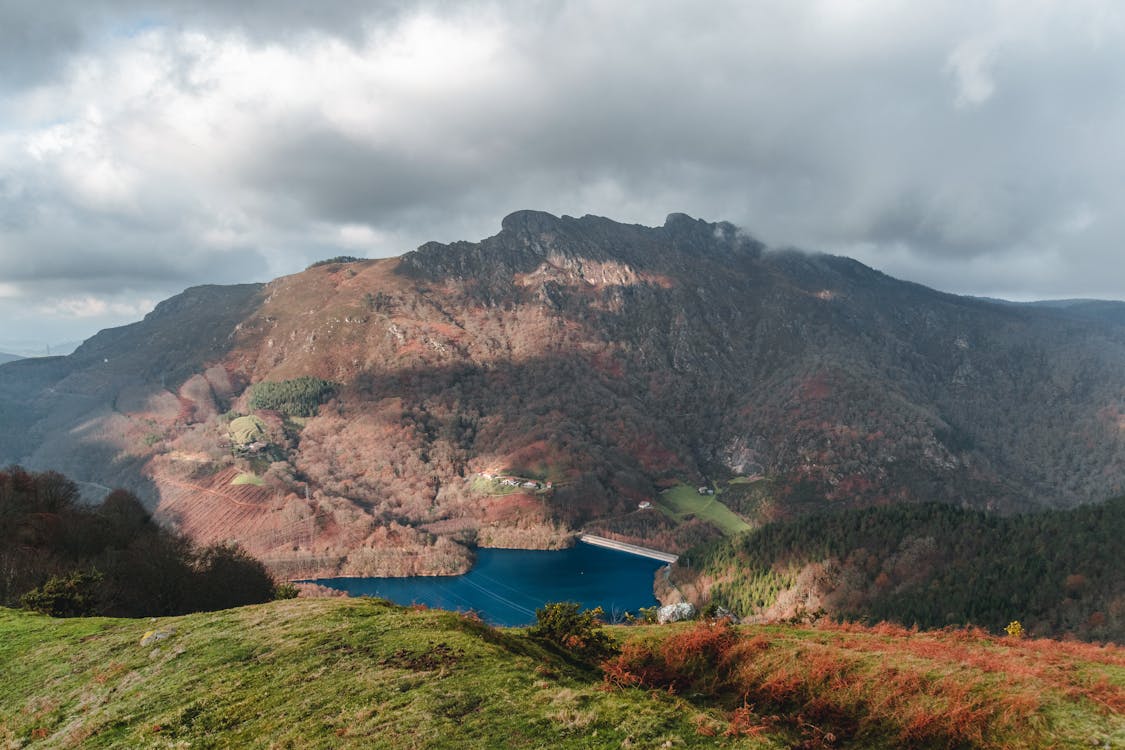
155,636
675,612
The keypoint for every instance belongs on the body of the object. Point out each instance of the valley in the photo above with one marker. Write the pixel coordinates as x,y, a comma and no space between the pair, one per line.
606,365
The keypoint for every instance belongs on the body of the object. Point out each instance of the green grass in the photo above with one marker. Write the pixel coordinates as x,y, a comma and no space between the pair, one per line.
681,501
247,478
745,480
328,673
313,674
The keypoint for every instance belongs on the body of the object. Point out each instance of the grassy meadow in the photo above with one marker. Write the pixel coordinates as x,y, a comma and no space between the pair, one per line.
681,502
363,673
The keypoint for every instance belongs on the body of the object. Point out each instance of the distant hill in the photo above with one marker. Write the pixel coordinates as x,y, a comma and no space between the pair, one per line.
360,673
1105,311
598,363
1091,309
8,357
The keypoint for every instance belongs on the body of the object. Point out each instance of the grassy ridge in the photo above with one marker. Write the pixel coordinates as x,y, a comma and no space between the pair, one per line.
363,673
307,674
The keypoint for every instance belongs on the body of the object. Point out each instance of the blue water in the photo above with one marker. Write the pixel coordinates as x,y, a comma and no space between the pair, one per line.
505,586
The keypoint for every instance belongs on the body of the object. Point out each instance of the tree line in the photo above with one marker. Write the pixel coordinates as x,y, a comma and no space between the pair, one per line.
299,397
65,558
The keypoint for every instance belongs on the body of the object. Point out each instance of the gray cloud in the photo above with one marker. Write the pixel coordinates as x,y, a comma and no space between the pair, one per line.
148,146
36,39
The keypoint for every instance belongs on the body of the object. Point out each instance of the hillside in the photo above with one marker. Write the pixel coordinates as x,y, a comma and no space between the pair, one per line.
1057,572
8,357
595,362
361,673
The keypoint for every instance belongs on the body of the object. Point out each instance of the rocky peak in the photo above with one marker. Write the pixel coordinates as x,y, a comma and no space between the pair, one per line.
529,223
528,238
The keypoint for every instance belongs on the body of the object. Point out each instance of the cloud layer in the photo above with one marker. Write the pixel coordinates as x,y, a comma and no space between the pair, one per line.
147,146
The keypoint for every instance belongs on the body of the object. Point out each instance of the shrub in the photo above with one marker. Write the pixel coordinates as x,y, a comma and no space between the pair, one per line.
75,594
1014,629
698,659
285,591
334,260
568,626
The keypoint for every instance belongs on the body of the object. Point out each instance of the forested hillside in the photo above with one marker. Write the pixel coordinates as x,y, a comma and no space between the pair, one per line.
597,362
1057,572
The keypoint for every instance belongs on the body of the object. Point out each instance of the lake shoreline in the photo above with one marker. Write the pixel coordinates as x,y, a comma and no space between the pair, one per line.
505,587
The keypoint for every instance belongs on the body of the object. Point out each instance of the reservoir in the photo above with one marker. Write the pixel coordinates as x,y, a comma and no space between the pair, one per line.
505,586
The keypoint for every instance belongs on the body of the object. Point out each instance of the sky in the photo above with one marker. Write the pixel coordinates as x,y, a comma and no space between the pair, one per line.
145,147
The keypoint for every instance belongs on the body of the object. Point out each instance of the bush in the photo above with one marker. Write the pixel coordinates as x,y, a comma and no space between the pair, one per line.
75,594
567,626
285,591
698,660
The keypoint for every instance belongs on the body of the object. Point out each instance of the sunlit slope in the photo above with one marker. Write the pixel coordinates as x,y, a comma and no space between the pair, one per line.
361,673
610,360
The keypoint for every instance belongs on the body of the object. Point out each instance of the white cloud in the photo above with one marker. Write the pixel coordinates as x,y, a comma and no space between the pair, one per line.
217,142
971,63
359,237
94,307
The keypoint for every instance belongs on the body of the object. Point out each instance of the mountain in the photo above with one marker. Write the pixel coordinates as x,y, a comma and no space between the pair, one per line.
8,357
361,673
591,364
1109,311
1092,309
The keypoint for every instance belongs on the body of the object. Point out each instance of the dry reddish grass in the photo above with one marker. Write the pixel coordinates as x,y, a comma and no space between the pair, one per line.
888,683
1042,661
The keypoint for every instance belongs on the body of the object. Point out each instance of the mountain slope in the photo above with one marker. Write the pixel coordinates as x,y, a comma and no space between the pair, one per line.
607,360
1057,572
363,673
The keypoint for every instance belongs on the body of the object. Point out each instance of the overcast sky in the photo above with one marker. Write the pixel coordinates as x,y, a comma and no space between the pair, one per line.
149,146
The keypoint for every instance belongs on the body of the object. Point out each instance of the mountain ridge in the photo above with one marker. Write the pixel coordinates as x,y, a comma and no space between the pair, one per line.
609,359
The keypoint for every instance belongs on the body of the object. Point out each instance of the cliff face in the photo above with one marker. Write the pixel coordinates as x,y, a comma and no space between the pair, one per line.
603,358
